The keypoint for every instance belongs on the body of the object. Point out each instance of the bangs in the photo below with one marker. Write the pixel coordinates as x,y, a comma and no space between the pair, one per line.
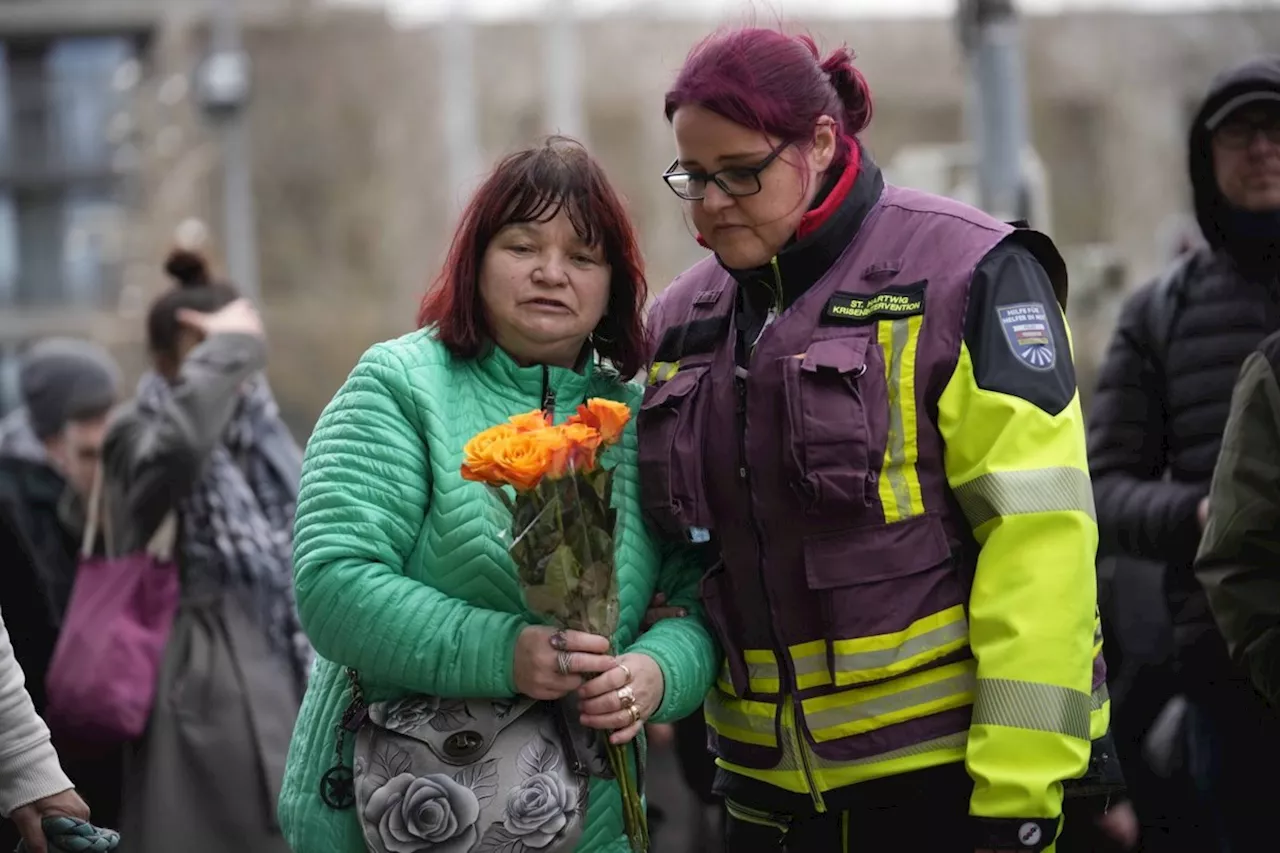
552,179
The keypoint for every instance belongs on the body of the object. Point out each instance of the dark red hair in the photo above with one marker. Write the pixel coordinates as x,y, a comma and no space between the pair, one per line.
774,83
534,185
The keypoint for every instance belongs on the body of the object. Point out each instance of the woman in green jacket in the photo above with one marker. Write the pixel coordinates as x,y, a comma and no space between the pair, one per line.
401,567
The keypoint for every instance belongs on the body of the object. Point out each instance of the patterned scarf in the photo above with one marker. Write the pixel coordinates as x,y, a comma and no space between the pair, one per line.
237,523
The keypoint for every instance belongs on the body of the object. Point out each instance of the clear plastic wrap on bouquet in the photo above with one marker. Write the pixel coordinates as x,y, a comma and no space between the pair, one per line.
561,532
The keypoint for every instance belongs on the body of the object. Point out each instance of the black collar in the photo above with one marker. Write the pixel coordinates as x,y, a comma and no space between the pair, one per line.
801,263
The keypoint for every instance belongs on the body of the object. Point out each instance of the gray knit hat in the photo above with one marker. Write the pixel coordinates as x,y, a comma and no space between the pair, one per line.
63,379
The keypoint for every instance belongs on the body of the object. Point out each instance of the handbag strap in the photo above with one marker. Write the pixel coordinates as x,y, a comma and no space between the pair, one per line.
93,519
160,545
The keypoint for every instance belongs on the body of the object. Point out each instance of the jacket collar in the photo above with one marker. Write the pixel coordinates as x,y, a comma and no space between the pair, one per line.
528,386
824,234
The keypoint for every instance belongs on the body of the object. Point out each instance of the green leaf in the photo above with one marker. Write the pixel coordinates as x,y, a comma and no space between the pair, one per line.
563,572
602,616
542,601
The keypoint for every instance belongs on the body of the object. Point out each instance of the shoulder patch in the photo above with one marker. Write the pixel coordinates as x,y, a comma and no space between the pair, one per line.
892,303
1016,333
1026,329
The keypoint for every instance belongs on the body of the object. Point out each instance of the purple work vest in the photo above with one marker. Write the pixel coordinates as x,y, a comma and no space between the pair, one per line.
819,468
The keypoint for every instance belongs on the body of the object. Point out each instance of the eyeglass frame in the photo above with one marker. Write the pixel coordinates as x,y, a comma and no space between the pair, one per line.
1268,125
709,177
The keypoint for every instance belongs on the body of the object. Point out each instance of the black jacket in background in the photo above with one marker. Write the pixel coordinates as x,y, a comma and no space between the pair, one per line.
37,564
1157,419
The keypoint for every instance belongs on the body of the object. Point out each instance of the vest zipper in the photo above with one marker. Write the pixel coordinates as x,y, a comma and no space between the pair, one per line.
548,394
791,706
775,309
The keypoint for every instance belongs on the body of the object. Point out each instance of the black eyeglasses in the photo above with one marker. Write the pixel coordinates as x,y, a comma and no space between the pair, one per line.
734,180
1238,133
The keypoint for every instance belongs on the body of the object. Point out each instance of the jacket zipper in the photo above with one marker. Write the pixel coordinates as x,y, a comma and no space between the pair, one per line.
794,709
548,394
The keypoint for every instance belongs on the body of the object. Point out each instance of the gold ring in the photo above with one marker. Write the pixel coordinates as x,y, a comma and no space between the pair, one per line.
635,713
627,696
623,667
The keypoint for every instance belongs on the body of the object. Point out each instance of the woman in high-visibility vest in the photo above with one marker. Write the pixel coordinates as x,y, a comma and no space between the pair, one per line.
864,403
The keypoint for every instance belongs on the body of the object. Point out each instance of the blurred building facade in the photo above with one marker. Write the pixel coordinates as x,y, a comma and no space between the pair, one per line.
354,188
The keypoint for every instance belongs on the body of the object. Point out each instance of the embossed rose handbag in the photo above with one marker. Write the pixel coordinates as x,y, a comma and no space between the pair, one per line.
465,775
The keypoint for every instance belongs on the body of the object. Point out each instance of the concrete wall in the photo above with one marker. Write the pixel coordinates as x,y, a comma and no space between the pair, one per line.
352,181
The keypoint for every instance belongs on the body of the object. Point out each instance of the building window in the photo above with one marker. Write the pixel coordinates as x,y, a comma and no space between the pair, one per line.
63,169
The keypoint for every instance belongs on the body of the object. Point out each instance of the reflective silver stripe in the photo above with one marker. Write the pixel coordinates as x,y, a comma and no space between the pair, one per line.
1100,697
920,644
883,706
1028,705
756,672
727,717
762,672
895,452
1003,493
811,664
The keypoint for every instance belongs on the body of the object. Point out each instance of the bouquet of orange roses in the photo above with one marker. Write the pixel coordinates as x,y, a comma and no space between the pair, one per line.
562,528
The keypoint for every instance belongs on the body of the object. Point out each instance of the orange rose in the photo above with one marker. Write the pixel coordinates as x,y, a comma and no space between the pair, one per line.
522,459
477,463
574,449
607,417
530,421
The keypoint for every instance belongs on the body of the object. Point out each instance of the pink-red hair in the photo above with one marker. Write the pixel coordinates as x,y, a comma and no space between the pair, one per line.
774,83
534,185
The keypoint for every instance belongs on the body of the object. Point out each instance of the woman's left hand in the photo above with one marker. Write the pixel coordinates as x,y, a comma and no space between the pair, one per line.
622,699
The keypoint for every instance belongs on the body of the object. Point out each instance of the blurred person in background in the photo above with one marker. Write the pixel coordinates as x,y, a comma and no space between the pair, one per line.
34,787
1239,559
402,567
47,465
1156,429
203,437
865,401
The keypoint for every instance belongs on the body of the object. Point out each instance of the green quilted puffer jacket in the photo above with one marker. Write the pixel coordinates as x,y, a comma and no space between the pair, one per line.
402,573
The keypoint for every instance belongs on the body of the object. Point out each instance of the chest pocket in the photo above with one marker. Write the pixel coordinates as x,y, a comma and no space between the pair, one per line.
671,424
834,405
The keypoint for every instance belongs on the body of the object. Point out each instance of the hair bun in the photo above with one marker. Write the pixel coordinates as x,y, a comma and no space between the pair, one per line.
187,268
852,89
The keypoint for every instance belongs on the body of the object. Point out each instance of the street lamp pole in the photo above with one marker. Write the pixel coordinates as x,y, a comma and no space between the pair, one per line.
991,36
563,67
458,90
223,85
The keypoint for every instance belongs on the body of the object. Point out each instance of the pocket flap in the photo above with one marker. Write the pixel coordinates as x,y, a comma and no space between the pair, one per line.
875,552
458,731
843,355
674,389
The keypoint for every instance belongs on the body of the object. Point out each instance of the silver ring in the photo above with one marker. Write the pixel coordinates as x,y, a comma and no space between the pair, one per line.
626,696
558,641
564,662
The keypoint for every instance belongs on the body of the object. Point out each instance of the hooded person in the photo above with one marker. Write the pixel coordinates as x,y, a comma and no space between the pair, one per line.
1162,403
